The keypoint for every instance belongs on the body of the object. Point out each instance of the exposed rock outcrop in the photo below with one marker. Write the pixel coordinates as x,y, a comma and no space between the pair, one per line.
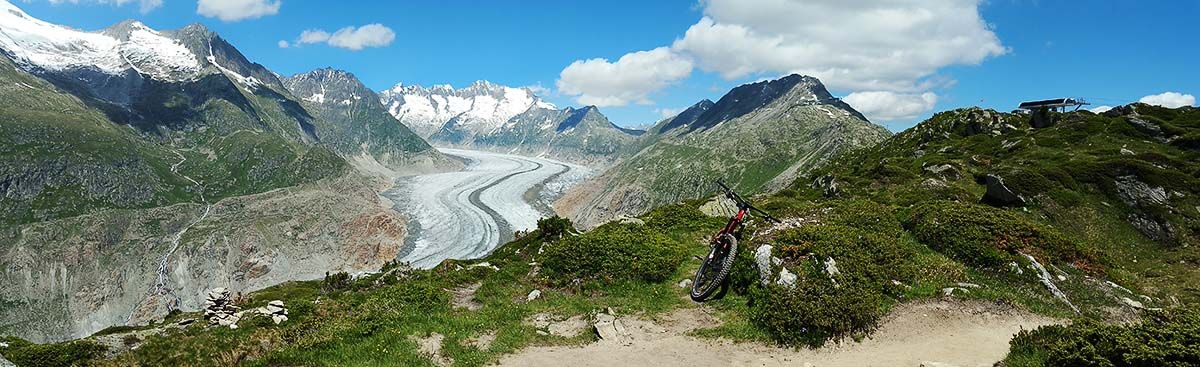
999,194
246,243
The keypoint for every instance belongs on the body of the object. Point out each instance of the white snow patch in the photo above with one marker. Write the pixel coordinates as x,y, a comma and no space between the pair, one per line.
33,42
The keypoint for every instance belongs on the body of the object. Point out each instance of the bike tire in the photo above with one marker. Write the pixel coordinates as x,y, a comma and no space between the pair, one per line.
701,291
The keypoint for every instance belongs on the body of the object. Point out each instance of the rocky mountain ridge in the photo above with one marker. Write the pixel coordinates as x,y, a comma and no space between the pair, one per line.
351,120
481,107
758,137
138,167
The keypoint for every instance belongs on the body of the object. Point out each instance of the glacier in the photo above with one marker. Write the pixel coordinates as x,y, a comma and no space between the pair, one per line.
467,214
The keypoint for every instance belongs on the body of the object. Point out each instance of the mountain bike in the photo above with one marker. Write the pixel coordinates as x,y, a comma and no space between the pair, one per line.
714,270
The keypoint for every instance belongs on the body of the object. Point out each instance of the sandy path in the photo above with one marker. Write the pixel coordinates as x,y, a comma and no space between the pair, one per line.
933,334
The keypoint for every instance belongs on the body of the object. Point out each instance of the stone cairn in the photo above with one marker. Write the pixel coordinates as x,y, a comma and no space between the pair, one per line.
275,310
220,310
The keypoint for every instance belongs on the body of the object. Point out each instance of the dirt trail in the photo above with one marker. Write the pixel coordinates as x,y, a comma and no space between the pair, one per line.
939,333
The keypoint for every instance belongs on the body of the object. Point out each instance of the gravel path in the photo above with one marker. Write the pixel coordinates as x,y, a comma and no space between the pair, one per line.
935,333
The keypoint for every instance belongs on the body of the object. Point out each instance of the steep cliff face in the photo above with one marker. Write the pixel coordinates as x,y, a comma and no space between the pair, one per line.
758,137
71,277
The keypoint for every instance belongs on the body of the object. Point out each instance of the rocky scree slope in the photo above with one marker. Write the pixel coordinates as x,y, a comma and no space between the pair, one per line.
758,137
351,120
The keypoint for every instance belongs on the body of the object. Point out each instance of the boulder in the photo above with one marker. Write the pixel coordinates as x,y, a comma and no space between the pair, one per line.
944,170
1132,303
631,220
998,194
1147,128
827,185
685,284
610,328
533,295
762,261
786,278
1136,193
980,121
1120,111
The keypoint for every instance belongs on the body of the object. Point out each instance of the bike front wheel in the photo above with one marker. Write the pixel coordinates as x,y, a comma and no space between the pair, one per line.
714,269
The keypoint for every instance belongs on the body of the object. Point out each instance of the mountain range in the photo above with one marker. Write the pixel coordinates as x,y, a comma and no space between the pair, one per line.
757,137
139,167
493,117
171,162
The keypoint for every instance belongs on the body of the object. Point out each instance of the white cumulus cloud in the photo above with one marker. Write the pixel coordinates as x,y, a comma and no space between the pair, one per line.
890,106
1169,100
145,6
351,38
668,112
892,45
895,46
284,44
630,79
236,10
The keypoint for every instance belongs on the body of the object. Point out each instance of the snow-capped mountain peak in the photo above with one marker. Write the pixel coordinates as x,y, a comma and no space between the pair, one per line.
480,107
128,45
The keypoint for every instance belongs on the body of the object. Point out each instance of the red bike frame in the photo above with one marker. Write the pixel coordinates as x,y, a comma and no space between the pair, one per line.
731,228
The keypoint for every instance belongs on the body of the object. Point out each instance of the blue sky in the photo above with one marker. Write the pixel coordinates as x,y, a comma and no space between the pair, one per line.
1109,52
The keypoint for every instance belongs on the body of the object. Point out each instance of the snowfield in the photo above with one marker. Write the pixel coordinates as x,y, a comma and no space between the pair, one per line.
467,214
33,42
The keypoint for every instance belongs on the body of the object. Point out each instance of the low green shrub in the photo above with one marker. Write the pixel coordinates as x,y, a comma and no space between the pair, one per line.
74,353
1169,338
815,312
336,282
988,237
865,215
676,217
613,252
821,305
554,228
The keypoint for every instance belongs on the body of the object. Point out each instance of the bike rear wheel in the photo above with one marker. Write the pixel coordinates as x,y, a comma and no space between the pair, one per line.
714,269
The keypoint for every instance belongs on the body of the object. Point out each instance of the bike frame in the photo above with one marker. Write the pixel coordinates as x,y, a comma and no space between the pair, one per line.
732,227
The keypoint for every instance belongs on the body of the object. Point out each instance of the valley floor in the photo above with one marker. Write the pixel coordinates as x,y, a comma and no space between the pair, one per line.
933,333
466,214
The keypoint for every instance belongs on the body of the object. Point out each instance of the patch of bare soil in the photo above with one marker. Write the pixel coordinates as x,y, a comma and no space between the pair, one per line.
943,333
464,297
481,341
431,346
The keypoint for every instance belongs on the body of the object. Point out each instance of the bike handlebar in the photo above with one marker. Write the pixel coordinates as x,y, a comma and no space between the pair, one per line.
732,195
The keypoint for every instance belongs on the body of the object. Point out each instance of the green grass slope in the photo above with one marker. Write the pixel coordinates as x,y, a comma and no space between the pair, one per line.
900,227
61,157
